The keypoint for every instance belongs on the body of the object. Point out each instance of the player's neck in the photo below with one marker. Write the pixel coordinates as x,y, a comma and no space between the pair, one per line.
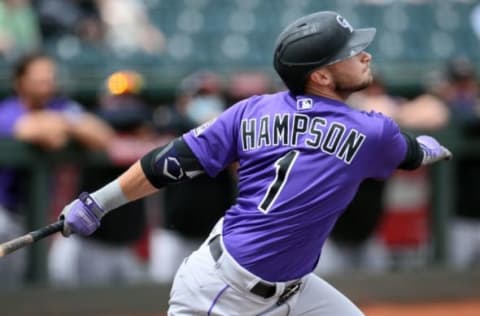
327,93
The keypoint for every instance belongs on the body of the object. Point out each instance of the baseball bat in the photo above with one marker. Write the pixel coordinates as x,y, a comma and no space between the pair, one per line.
27,239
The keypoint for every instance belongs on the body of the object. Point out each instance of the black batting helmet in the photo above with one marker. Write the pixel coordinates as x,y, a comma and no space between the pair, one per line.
314,41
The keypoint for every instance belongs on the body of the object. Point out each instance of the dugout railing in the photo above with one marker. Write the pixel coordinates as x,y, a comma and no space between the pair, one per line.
37,167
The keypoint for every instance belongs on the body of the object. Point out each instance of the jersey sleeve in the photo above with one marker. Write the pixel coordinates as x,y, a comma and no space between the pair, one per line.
214,143
391,149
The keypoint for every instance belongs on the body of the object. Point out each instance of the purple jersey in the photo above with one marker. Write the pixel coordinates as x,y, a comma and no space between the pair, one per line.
11,109
301,161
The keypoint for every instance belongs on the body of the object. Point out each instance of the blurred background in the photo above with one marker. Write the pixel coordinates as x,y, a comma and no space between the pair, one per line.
89,86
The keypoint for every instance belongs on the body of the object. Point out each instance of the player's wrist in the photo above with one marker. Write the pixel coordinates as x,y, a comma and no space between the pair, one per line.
83,215
110,197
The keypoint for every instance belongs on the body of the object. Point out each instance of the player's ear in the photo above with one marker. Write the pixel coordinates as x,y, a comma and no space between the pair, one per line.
321,77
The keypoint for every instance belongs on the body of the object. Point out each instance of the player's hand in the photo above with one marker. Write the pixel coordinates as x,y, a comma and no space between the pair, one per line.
432,150
82,216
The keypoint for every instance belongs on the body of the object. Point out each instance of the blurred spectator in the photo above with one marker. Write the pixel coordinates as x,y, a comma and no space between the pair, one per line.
128,27
64,18
461,91
37,115
425,112
405,226
109,256
245,84
19,29
462,96
199,98
187,222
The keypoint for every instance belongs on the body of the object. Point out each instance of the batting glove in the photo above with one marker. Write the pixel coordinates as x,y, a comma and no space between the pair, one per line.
82,216
432,150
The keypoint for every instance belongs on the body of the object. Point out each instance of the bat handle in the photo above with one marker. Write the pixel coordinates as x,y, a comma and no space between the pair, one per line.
22,241
47,230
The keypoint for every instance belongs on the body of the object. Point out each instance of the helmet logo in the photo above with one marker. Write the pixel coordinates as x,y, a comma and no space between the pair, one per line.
344,23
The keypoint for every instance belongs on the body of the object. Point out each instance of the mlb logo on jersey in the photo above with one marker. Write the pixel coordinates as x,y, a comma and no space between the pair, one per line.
304,104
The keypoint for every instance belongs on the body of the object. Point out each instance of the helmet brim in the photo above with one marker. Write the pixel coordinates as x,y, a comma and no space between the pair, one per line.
359,40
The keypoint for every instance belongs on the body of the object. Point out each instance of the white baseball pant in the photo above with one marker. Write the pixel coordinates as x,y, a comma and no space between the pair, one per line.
464,243
12,267
205,286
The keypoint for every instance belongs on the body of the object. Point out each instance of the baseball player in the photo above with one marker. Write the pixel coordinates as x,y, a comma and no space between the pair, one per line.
302,155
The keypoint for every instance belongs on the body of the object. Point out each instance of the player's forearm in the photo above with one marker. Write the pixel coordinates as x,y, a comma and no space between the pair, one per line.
135,184
145,177
168,164
130,186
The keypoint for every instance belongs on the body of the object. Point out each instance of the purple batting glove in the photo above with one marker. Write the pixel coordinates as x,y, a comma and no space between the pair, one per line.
432,150
82,216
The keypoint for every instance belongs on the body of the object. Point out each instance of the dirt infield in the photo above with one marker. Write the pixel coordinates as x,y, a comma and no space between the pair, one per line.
457,308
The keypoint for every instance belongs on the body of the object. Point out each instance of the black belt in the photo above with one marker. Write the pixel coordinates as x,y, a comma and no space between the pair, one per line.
261,289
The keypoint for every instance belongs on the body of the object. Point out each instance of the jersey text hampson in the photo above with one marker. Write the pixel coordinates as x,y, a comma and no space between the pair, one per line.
285,130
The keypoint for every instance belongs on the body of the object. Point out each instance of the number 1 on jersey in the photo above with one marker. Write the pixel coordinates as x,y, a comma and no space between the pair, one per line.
283,166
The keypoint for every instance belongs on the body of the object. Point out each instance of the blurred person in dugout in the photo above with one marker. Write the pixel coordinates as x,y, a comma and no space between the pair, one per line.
39,115
461,93
186,222
112,255
355,242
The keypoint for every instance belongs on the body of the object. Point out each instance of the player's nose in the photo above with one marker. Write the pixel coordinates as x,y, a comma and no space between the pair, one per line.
365,57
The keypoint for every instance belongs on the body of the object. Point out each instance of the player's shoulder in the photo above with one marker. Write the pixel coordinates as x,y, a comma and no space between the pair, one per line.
374,116
378,123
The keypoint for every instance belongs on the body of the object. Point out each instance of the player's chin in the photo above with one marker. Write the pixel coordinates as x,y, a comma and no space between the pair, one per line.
362,85
367,81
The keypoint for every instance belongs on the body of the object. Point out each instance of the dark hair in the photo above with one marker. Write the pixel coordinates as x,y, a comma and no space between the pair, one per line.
21,65
460,69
